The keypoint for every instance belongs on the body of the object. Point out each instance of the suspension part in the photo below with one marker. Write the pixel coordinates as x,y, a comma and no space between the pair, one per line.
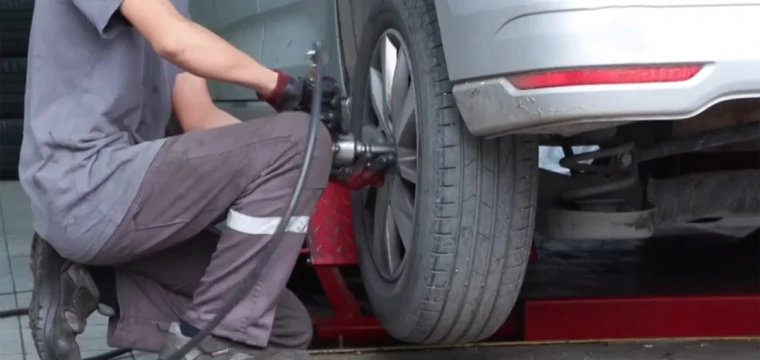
609,170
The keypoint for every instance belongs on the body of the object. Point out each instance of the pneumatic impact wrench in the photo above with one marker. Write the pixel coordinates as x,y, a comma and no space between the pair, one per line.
356,164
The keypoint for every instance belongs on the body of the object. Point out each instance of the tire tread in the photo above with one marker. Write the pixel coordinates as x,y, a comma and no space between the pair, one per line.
490,279
478,203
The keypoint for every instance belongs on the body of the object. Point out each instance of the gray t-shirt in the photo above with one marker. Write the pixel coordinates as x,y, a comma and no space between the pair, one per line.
98,99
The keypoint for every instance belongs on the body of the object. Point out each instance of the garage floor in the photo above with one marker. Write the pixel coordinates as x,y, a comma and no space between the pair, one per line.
704,350
637,268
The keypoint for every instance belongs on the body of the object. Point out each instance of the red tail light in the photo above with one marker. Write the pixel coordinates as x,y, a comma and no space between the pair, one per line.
605,76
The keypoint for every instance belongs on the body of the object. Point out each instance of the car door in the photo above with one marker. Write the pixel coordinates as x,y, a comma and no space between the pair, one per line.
278,33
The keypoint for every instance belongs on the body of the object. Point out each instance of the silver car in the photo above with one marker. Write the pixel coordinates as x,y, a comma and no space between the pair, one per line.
663,93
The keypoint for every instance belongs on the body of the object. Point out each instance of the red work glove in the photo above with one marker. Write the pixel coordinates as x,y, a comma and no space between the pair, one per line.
287,95
295,94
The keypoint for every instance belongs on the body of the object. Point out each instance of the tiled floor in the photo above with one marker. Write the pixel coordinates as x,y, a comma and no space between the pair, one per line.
16,284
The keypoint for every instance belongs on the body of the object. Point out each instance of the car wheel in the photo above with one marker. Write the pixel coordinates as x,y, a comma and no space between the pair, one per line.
444,243
15,25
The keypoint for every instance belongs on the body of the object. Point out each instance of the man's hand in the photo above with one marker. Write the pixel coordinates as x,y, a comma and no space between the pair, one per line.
296,94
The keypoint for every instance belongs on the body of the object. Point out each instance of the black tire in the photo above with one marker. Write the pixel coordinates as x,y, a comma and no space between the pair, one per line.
15,25
12,87
475,203
11,131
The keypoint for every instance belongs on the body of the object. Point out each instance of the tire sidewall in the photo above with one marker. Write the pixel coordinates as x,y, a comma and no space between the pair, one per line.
398,305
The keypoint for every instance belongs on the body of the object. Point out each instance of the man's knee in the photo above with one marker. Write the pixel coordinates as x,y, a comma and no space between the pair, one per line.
294,126
298,125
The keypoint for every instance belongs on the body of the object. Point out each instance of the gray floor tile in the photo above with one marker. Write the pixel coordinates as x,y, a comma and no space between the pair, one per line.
26,336
84,355
32,356
2,196
22,274
144,356
6,277
19,246
16,357
7,302
10,333
16,210
23,298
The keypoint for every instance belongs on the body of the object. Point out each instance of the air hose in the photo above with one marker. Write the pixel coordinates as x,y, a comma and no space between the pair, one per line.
269,248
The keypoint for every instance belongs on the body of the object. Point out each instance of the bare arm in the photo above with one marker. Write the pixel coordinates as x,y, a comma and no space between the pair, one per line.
193,47
193,106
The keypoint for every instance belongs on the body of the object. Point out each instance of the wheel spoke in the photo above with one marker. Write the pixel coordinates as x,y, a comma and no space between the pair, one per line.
407,164
388,60
402,208
380,233
399,87
386,244
405,121
376,93
392,251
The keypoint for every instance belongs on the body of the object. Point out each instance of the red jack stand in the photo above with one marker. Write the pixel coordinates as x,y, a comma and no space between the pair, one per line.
331,246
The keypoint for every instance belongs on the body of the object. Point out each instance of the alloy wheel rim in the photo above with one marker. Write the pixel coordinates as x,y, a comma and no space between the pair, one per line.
392,110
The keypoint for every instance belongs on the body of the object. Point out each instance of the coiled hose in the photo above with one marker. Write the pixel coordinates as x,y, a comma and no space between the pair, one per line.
267,251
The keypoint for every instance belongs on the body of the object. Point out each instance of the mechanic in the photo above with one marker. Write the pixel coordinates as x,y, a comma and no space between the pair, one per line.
122,210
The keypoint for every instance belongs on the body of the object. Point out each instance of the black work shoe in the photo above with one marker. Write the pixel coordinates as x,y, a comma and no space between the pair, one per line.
213,348
64,295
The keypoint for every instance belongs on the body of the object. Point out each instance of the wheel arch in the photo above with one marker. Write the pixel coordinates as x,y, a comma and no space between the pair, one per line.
351,16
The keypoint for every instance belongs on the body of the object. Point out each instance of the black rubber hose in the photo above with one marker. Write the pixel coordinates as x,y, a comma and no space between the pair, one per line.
13,313
268,249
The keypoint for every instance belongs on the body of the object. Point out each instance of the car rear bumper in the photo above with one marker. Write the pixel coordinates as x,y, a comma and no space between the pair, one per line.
485,41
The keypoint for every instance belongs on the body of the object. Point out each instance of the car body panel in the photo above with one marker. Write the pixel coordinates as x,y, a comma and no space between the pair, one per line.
483,38
486,40
278,33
